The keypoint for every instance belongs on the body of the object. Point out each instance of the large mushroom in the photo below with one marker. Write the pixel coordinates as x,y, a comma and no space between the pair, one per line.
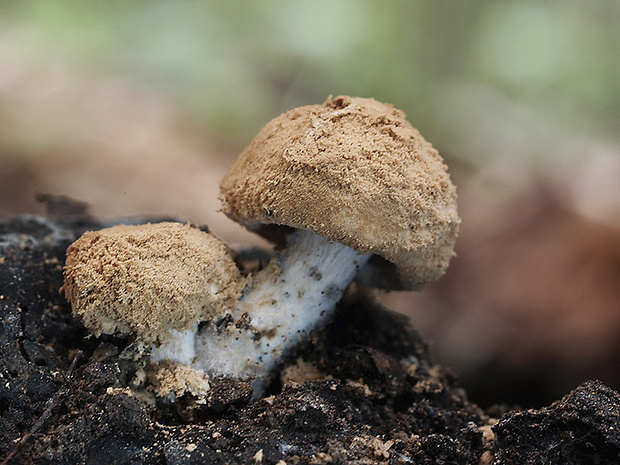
343,181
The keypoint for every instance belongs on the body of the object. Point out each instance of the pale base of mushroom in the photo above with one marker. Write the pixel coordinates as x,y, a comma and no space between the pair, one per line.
291,296
180,346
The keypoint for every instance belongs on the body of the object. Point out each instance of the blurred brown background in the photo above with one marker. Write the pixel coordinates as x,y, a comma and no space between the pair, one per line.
140,107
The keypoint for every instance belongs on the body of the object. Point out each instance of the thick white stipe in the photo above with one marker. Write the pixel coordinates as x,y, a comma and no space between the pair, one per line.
179,347
292,295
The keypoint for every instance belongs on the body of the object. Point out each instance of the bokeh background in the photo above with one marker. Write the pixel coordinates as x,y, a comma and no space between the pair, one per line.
139,108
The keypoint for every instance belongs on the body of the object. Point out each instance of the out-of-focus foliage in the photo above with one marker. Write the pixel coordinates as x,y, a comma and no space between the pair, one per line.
481,78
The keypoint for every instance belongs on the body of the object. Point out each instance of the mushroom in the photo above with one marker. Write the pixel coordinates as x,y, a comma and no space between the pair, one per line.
343,181
154,281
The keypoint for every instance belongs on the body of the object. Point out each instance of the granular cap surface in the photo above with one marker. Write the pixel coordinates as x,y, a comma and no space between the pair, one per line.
355,171
149,279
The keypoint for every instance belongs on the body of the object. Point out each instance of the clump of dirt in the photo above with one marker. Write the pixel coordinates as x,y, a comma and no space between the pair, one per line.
363,390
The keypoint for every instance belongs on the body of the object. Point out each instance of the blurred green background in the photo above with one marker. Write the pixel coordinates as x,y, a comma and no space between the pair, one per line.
477,77
140,106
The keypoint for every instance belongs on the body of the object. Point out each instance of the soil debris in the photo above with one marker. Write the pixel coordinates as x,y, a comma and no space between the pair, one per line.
363,389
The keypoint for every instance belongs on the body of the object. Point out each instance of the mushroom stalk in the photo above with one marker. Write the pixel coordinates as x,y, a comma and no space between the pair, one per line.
178,346
297,290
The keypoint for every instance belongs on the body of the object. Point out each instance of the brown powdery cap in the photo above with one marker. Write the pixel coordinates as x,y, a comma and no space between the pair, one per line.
149,279
354,171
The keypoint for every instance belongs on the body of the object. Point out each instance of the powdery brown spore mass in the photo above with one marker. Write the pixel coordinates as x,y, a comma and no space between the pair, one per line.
355,171
149,279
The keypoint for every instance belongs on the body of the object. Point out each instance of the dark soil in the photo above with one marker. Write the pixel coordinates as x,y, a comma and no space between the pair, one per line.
376,395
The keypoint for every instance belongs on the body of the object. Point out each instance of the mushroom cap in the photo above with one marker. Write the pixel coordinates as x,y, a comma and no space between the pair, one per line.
149,279
354,171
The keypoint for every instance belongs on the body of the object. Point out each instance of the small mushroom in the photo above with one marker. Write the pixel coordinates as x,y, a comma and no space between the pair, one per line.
347,179
154,281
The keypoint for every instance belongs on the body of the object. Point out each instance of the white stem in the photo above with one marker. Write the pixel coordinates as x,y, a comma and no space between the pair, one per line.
291,296
180,346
